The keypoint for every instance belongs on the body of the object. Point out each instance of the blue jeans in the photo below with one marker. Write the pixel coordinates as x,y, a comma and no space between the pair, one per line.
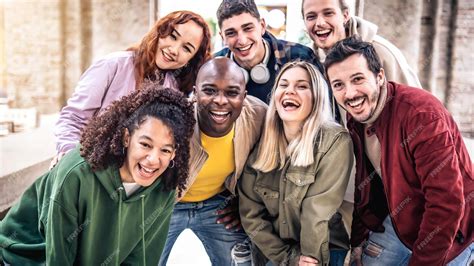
385,248
465,258
201,218
337,257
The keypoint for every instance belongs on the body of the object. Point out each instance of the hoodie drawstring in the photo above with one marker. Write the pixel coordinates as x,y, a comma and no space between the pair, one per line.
143,228
117,261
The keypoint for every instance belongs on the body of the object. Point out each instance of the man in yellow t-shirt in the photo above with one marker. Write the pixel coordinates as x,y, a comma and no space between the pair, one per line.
229,124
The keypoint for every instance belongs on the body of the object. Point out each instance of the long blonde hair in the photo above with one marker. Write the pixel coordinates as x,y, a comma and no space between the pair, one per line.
273,148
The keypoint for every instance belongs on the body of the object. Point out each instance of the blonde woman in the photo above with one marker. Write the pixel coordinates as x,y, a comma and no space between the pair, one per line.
295,181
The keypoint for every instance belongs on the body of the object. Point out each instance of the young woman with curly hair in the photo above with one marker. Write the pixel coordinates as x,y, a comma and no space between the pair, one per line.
295,181
110,199
170,54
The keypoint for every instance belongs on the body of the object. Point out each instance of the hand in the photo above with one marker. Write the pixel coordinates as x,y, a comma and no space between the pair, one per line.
56,159
230,215
307,261
356,256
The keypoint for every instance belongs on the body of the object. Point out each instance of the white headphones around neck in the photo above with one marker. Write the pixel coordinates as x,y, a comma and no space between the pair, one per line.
259,73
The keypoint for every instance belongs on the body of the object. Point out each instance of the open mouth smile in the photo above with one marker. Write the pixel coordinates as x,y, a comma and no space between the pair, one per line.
290,104
356,103
220,116
146,172
167,57
323,34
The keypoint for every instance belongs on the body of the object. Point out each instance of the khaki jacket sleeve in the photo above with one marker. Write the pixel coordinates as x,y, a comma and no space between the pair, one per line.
324,197
255,220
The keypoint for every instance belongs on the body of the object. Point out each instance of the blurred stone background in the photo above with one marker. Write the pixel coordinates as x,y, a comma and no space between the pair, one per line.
45,45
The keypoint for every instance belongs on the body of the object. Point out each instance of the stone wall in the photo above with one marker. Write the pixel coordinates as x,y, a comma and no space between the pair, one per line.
33,53
436,37
49,43
460,94
399,22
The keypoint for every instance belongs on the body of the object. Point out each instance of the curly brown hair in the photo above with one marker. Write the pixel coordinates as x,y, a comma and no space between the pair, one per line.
102,142
145,51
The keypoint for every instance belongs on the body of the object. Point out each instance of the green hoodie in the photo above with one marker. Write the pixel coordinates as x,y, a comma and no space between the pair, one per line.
73,215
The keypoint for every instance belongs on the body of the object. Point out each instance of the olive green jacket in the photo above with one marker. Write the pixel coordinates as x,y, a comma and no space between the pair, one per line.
286,212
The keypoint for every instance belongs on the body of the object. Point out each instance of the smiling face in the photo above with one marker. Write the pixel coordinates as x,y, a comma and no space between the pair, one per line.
324,21
293,97
176,49
220,92
243,35
355,87
150,149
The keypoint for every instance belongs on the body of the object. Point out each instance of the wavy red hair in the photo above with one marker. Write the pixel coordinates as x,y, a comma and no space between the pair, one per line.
145,51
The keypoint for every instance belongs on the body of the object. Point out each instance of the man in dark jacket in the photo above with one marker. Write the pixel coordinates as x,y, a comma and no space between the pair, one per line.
255,50
414,183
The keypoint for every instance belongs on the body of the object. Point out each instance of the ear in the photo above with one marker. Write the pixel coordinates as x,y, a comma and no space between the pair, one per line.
346,16
264,25
193,96
126,138
222,36
381,77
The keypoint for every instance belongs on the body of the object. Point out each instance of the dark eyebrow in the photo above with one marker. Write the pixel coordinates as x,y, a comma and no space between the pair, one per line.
177,32
150,139
207,84
145,137
297,81
328,9
247,24
356,74
188,43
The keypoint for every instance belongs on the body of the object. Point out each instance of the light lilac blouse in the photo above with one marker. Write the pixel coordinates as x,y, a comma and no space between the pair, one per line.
106,80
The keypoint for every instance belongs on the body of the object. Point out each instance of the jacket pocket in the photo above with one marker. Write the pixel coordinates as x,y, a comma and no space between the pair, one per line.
298,184
301,179
270,198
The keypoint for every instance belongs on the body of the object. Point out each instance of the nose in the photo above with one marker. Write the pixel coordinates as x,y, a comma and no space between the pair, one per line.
290,89
351,91
153,158
173,49
220,99
241,38
320,21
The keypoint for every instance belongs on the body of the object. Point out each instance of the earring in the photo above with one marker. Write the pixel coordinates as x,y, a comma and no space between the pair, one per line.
172,164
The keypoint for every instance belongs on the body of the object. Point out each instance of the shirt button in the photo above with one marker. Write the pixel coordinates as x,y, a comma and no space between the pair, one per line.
284,179
284,222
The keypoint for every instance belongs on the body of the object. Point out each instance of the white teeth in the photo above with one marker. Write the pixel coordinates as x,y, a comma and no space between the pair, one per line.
169,58
219,113
147,170
355,102
323,31
287,102
245,48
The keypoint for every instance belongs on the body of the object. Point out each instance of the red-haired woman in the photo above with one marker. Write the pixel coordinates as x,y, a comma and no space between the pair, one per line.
169,54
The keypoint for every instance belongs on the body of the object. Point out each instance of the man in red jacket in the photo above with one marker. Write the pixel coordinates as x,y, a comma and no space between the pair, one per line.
414,180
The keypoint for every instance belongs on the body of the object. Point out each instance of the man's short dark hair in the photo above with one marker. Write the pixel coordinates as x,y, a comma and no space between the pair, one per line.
353,45
230,8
